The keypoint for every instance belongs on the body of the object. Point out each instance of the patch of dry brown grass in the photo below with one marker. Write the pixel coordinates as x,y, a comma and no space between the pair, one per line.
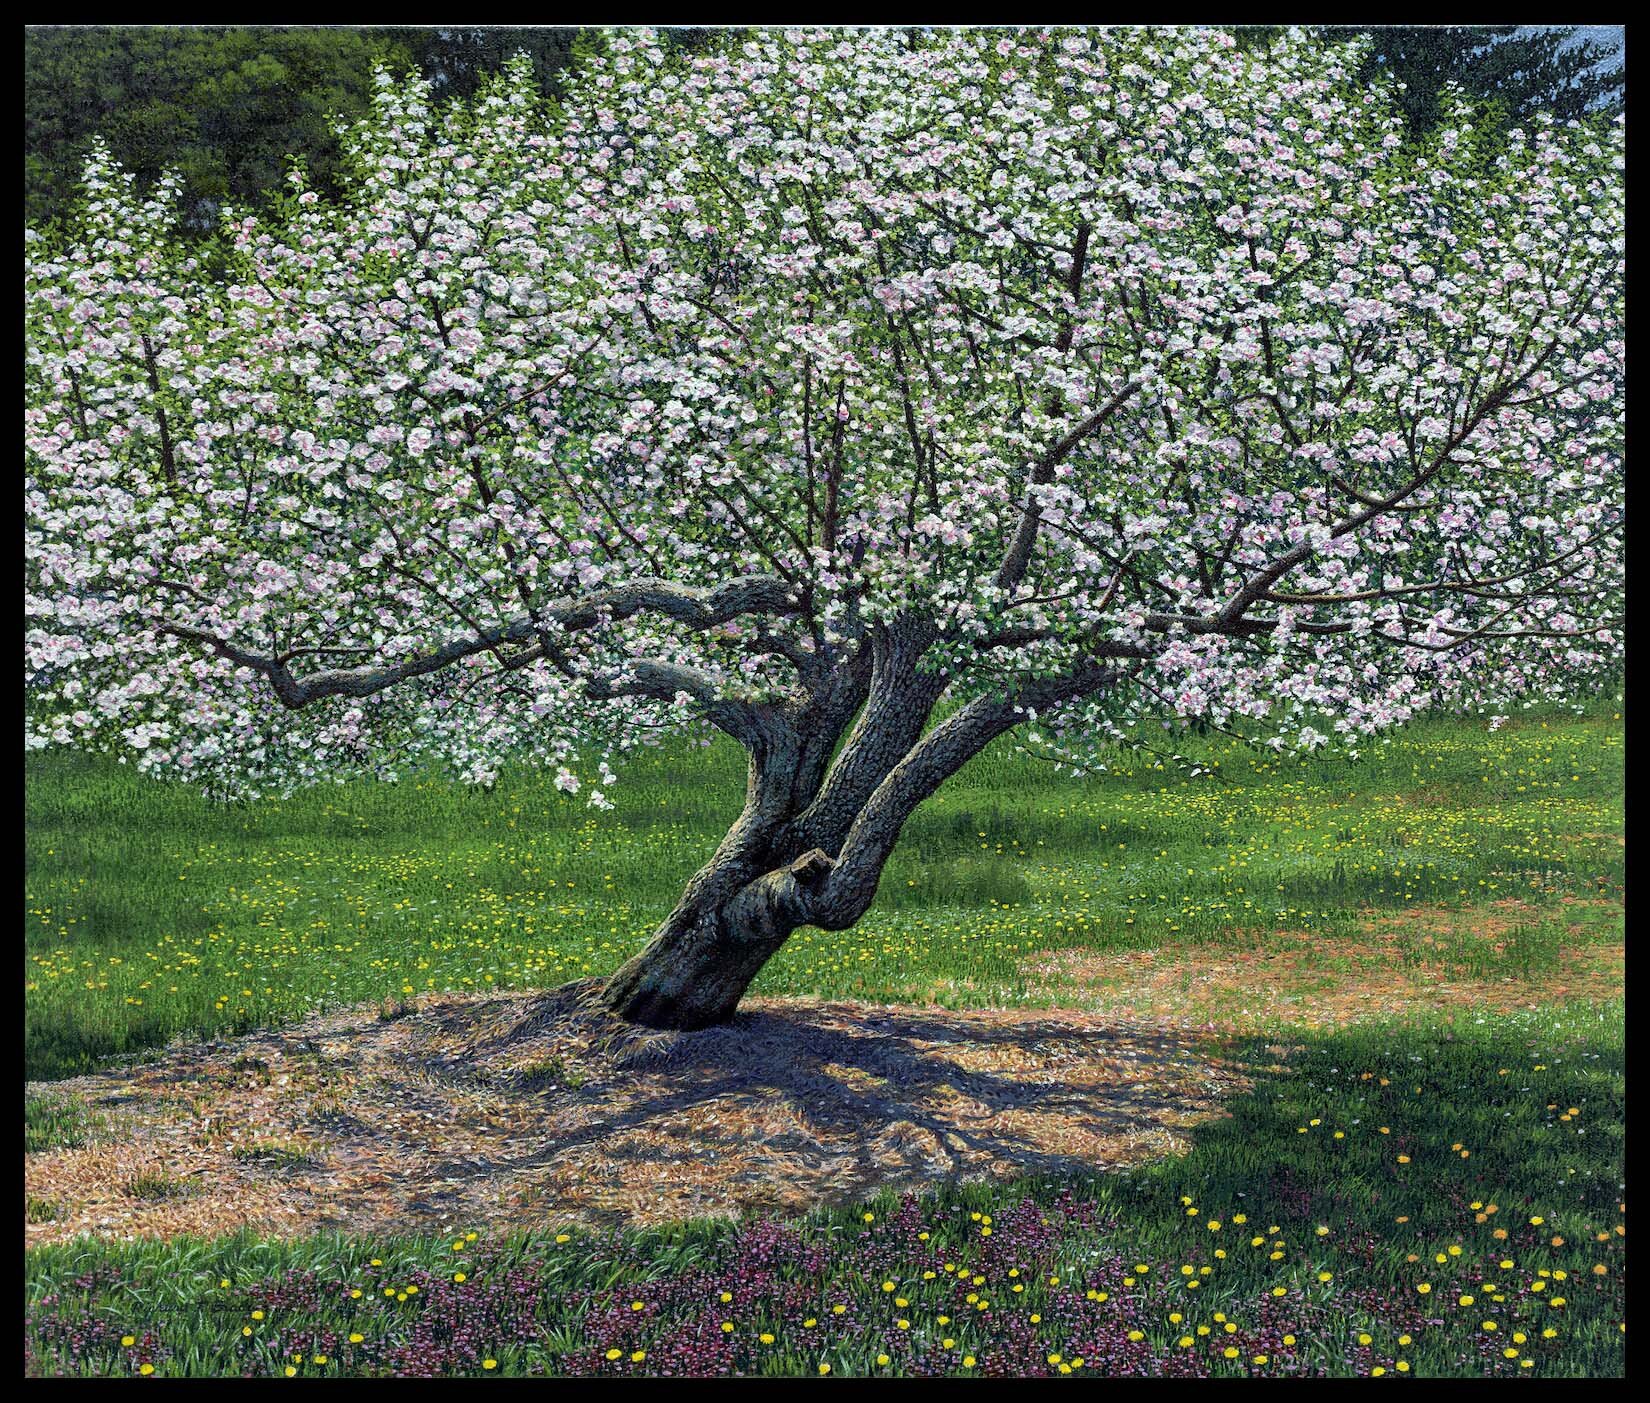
1400,963
524,1110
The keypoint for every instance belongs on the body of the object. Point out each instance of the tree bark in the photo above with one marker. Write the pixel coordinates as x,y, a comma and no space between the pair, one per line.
692,974
739,908
771,868
810,846
699,963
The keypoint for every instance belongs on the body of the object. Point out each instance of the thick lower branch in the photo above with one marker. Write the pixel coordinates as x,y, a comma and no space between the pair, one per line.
698,609
852,885
744,904
898,704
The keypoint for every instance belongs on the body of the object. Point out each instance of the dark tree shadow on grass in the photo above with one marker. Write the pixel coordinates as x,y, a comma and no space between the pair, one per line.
847,1087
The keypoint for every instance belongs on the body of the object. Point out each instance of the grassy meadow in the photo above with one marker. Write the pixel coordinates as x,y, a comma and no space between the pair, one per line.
1400,1200
1436,1192
151,911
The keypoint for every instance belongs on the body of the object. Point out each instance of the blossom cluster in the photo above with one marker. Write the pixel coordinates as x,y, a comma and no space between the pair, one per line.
1077,344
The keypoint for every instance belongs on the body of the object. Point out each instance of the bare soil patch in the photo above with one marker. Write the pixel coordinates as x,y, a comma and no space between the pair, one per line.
1401,962
542,1110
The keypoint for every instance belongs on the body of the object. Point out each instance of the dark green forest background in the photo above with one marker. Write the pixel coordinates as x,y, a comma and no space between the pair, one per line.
230,107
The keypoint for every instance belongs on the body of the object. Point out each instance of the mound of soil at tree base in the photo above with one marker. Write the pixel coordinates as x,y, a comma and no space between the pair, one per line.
541,1110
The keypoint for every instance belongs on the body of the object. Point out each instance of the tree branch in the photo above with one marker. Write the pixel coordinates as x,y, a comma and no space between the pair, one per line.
698,609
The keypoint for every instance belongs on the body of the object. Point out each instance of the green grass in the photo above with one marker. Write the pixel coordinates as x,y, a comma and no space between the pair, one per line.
1478,1159
153,1185
1434,1150
53,1122
151,911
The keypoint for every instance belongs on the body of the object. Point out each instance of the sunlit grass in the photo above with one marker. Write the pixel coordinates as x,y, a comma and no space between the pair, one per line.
151,911
1474,1154
1400,1199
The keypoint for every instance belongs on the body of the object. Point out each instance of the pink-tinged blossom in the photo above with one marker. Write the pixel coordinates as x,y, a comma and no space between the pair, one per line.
1304,431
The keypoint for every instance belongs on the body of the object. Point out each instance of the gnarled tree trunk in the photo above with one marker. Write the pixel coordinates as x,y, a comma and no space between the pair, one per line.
769,872
702,959
816,831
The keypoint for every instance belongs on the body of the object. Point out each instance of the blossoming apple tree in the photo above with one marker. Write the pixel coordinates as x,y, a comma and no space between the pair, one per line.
865,397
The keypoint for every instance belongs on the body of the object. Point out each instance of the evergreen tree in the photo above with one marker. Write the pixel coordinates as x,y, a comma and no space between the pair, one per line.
227,108
1554,68
230,108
